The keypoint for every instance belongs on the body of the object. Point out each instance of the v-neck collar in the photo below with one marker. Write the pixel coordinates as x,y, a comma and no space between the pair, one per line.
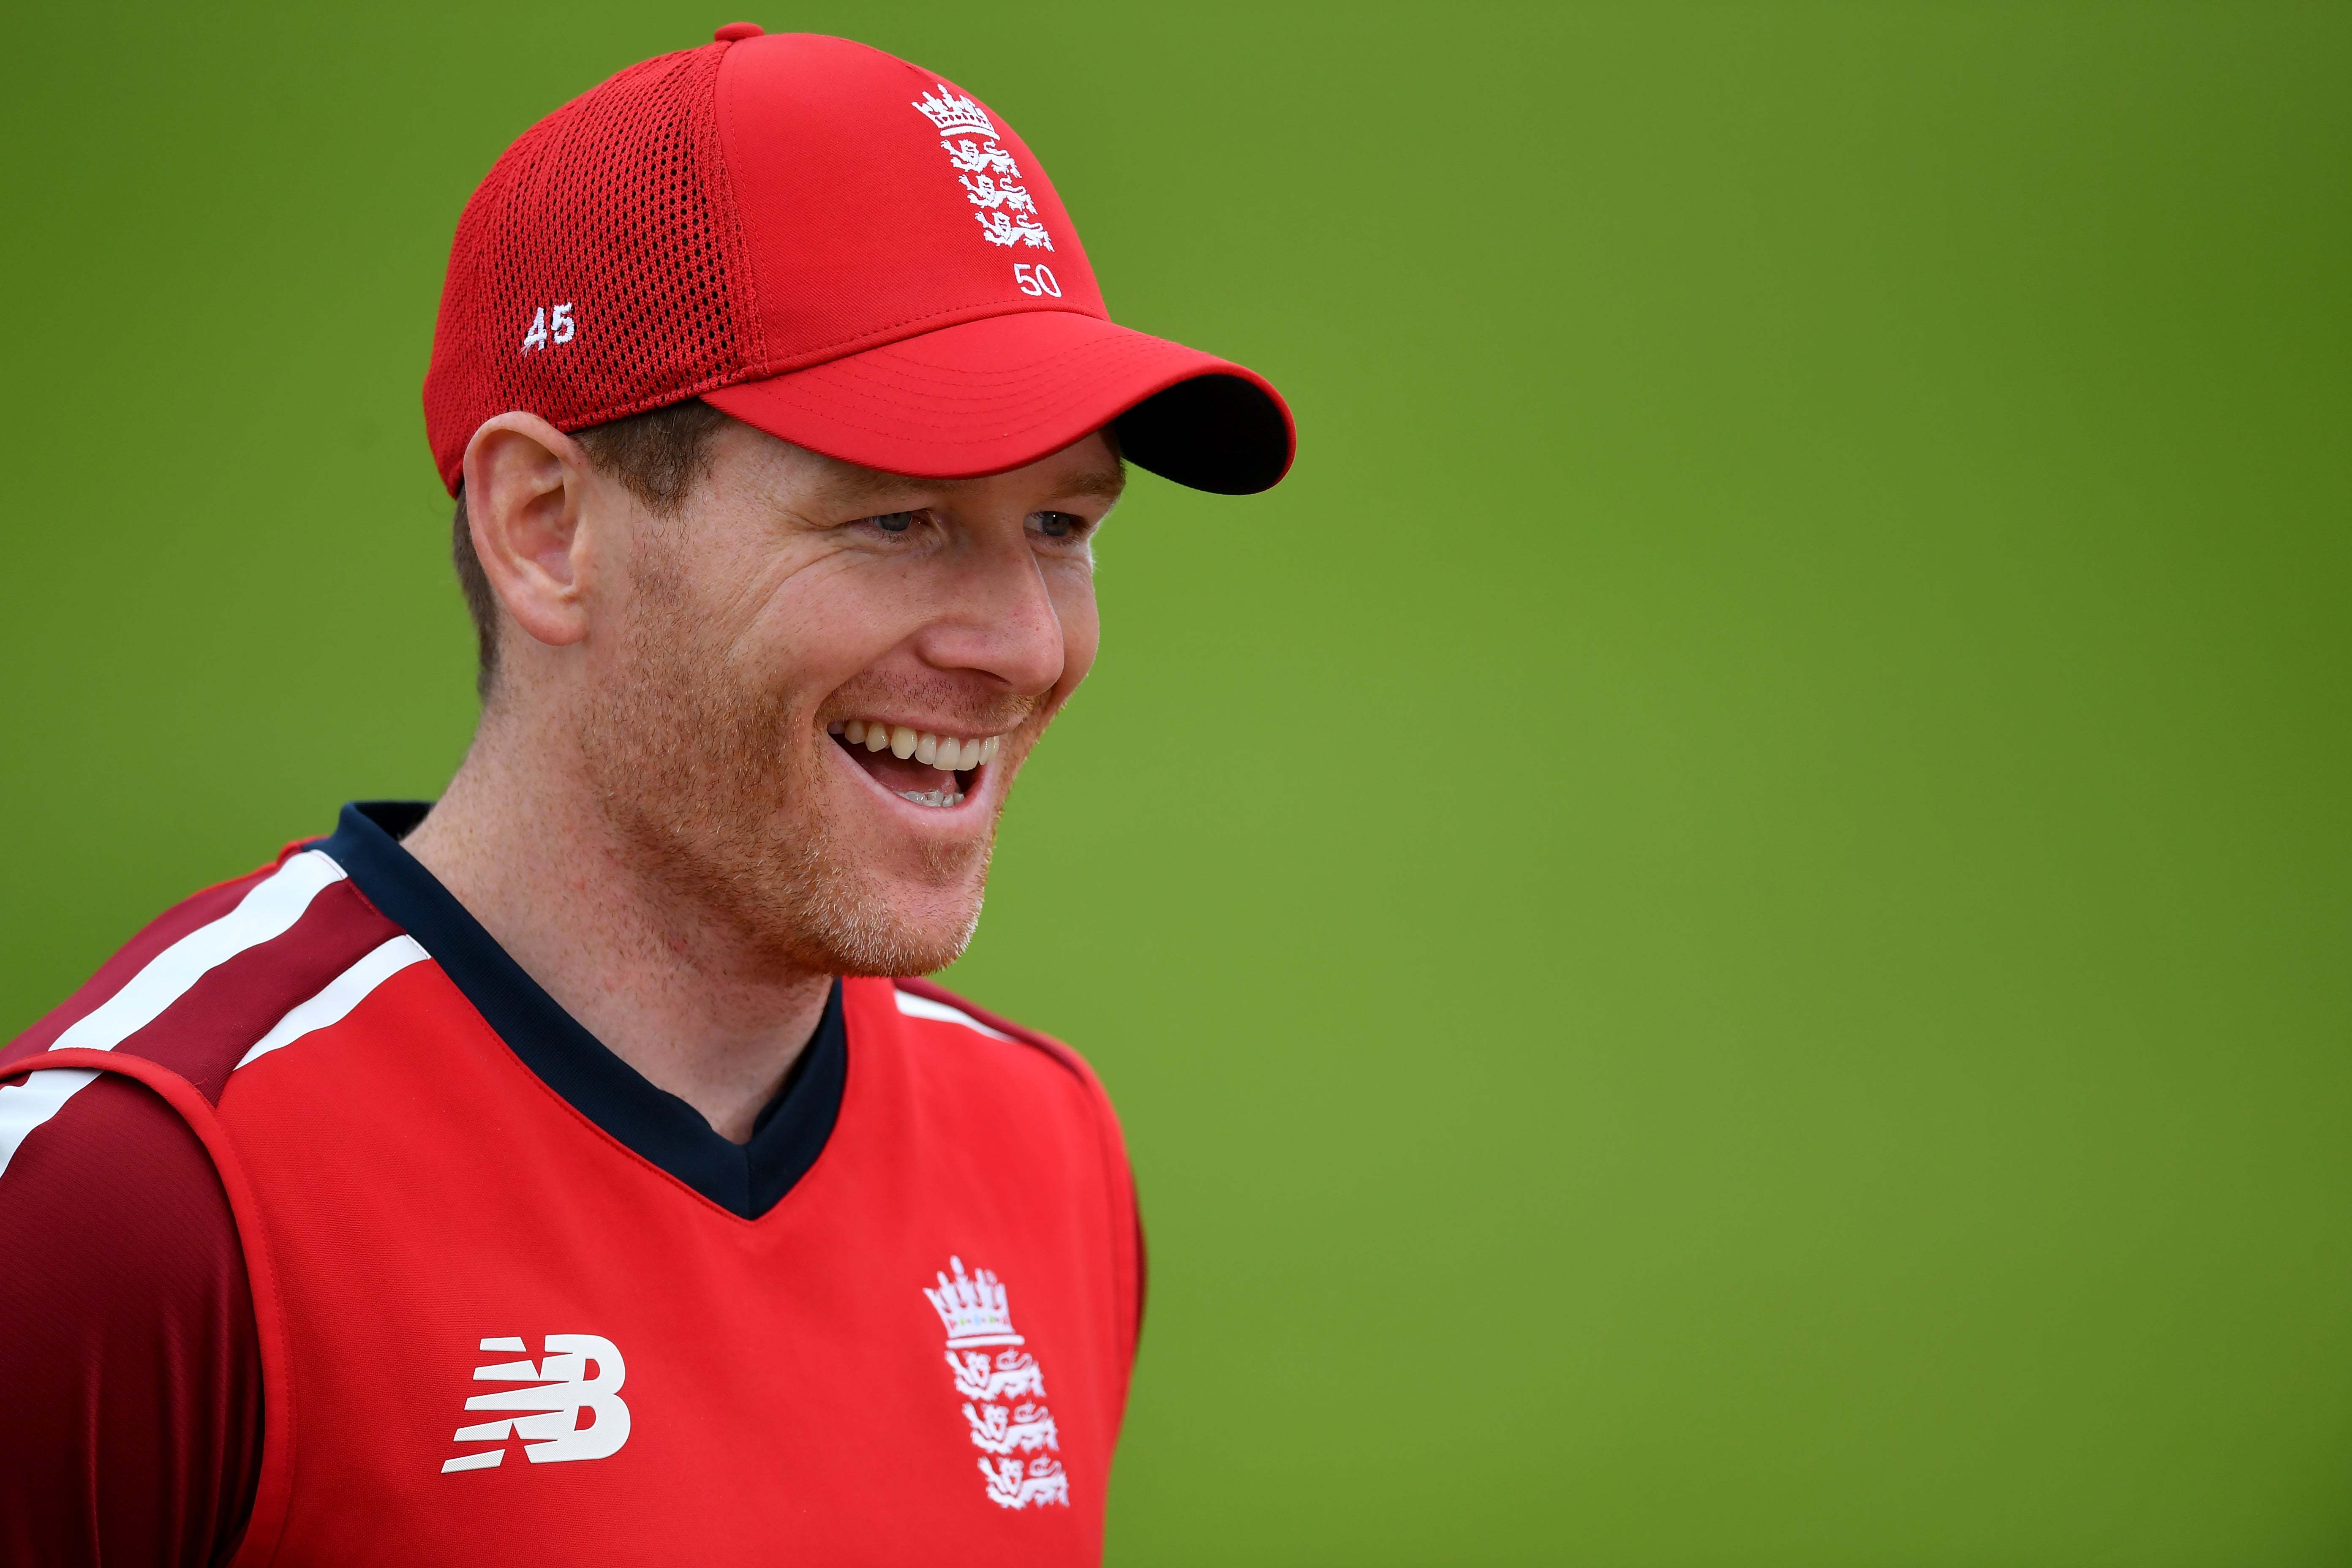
745,1179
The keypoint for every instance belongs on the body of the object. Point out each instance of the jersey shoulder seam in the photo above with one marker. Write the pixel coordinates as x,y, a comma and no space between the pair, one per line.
1037,1040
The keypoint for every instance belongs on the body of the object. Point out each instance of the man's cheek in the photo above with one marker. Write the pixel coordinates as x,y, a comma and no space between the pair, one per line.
828,638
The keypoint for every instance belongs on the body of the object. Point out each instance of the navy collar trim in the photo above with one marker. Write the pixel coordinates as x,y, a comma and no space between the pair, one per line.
747,1180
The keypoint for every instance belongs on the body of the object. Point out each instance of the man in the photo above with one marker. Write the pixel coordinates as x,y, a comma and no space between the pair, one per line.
559,1174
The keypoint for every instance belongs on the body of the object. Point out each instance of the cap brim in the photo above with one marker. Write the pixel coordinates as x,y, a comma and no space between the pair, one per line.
985,397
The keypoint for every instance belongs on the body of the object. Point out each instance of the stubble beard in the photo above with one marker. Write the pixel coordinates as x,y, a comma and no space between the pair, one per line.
718,796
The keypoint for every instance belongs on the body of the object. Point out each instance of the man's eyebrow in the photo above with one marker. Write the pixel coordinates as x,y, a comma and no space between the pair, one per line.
1103,484
851,483
848,482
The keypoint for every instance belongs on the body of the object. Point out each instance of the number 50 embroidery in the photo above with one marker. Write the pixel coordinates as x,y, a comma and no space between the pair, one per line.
1036,279
562,323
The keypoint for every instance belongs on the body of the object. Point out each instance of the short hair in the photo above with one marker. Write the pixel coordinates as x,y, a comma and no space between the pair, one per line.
659,455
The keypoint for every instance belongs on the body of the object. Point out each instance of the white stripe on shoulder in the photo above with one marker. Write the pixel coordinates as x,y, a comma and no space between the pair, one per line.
916,1006
268,911
335,1000
25,1106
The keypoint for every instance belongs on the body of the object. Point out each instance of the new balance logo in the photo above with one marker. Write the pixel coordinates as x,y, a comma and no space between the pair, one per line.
576,1414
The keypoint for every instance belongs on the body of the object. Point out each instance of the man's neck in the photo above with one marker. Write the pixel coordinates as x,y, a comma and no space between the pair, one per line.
527,850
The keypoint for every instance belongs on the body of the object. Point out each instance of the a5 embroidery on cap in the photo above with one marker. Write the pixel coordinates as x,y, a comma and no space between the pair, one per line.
1004,1390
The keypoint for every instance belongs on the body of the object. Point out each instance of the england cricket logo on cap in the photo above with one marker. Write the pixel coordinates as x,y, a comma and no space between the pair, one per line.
986,171
1003,1391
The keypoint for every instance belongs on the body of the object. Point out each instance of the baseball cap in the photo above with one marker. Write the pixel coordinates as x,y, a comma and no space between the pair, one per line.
829,244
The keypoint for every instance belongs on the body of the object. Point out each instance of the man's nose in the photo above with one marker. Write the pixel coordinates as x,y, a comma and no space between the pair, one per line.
998,619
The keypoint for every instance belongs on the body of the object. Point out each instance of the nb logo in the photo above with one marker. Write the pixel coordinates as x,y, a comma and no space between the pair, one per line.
576,1410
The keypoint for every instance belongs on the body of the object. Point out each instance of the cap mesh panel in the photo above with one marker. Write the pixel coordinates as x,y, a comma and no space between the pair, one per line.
615,205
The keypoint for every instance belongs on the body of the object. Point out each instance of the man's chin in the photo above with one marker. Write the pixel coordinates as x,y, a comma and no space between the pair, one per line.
885,952
882,927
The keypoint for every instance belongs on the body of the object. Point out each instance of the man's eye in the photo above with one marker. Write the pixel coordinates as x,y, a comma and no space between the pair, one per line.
1057,525
893,521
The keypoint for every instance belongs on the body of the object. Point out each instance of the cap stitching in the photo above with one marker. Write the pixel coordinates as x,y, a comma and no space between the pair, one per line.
842,416
841,348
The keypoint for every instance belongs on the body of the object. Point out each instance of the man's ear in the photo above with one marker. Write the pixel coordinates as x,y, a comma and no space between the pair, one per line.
526,487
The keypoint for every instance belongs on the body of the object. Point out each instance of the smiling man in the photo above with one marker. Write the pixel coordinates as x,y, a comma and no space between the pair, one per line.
567,1171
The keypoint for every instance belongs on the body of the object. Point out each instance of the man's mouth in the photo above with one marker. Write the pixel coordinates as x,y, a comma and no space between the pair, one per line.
917,765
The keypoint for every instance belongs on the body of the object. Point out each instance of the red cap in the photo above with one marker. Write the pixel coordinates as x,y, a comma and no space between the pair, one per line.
829,244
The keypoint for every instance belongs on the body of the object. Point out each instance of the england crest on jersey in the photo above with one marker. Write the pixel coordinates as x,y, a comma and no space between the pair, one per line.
1003,1391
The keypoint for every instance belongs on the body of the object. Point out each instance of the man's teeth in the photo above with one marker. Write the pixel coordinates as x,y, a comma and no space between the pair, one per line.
932,797
952,754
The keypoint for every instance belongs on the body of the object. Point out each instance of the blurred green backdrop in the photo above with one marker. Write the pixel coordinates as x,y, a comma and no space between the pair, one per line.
1722,931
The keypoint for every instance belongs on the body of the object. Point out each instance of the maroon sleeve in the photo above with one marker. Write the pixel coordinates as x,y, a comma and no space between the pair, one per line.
129,1367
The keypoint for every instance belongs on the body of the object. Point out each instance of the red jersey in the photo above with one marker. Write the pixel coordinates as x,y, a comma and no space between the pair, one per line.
495,1323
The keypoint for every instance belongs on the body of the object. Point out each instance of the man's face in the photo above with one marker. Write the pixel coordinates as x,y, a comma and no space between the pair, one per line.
761,662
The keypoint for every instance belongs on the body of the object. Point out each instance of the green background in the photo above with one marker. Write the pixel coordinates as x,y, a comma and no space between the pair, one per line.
1722,931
